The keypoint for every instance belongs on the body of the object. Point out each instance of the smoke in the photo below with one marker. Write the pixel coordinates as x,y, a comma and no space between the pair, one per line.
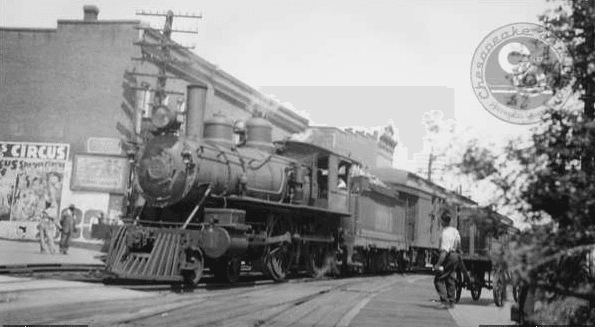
328,267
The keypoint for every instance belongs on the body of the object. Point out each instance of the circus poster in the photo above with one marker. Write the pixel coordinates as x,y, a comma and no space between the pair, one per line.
31,180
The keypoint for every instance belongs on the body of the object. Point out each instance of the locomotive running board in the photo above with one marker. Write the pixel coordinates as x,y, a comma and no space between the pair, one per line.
249,201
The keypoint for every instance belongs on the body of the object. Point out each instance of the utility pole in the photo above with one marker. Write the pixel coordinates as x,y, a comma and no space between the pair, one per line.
159,53
430,162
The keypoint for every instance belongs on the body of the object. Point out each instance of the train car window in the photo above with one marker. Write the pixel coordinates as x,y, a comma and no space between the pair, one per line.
322,177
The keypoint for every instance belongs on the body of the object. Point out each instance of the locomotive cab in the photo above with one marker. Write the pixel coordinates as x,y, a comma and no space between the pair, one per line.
331,174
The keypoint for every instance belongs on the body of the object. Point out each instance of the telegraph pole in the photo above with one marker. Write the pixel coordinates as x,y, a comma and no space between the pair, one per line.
160,53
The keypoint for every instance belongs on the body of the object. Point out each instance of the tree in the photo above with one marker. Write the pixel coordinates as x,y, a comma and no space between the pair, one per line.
574,23
550,183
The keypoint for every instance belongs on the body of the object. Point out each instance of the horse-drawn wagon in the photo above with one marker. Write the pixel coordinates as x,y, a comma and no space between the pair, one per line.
484,234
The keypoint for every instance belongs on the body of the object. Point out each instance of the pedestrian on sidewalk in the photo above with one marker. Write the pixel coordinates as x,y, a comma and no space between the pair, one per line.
448,262
67,224
47,231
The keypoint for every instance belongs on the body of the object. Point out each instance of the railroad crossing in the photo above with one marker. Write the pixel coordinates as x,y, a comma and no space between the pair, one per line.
389,300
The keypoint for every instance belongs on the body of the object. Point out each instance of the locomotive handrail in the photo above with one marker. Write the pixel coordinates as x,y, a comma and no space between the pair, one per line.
261,164
204,197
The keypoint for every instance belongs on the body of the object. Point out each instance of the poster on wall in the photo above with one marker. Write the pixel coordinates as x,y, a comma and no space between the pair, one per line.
99,173
31,179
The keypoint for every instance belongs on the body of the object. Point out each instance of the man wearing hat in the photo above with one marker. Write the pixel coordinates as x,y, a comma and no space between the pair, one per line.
448,262
67,228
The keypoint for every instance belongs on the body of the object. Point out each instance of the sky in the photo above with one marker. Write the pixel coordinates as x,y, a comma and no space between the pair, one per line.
342,63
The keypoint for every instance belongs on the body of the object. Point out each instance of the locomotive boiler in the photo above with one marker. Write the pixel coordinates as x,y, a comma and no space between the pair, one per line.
210,201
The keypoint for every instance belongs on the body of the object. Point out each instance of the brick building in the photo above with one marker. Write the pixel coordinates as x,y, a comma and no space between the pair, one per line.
68,97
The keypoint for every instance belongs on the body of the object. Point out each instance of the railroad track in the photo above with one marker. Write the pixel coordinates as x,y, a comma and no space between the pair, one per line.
329,301
48,267
94,273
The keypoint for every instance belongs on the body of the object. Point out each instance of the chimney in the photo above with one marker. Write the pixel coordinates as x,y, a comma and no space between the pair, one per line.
91,13
196,97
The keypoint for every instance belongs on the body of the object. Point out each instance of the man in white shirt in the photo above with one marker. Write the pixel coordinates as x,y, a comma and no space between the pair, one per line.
448,262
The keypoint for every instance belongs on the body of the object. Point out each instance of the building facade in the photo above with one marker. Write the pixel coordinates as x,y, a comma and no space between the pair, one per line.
371,150
70,99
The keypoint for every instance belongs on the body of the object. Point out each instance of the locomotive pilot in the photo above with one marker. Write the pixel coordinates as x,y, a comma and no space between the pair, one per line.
448,262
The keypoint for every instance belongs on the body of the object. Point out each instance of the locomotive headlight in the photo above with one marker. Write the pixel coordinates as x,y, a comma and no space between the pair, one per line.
162,116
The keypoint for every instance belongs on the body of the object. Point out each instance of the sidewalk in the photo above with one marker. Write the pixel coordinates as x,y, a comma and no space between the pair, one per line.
469,313
23,253
412,304
407,303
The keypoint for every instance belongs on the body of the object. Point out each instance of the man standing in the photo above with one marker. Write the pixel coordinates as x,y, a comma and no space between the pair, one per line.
448,262
68,225
47,231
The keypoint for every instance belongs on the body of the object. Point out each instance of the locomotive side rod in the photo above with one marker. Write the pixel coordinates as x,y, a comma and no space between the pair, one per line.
204,197
284,238
287,237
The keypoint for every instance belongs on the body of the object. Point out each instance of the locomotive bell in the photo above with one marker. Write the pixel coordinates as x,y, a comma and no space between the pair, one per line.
162,116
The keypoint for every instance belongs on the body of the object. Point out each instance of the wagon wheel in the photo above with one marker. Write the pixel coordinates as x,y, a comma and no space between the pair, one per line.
499,289
193,267
278,257
459,286
228,270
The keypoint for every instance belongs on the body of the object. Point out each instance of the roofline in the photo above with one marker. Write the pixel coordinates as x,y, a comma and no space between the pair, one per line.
97,22
346,130
68,22
432,185
27,29
319,148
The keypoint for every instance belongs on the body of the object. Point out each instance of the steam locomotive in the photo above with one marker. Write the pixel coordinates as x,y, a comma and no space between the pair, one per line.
211,201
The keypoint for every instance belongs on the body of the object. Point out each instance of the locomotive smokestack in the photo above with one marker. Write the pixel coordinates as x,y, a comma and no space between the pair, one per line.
196,103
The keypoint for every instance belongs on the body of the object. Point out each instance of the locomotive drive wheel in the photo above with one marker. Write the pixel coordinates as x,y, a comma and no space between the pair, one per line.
277,261
278,257
194,267
228,270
